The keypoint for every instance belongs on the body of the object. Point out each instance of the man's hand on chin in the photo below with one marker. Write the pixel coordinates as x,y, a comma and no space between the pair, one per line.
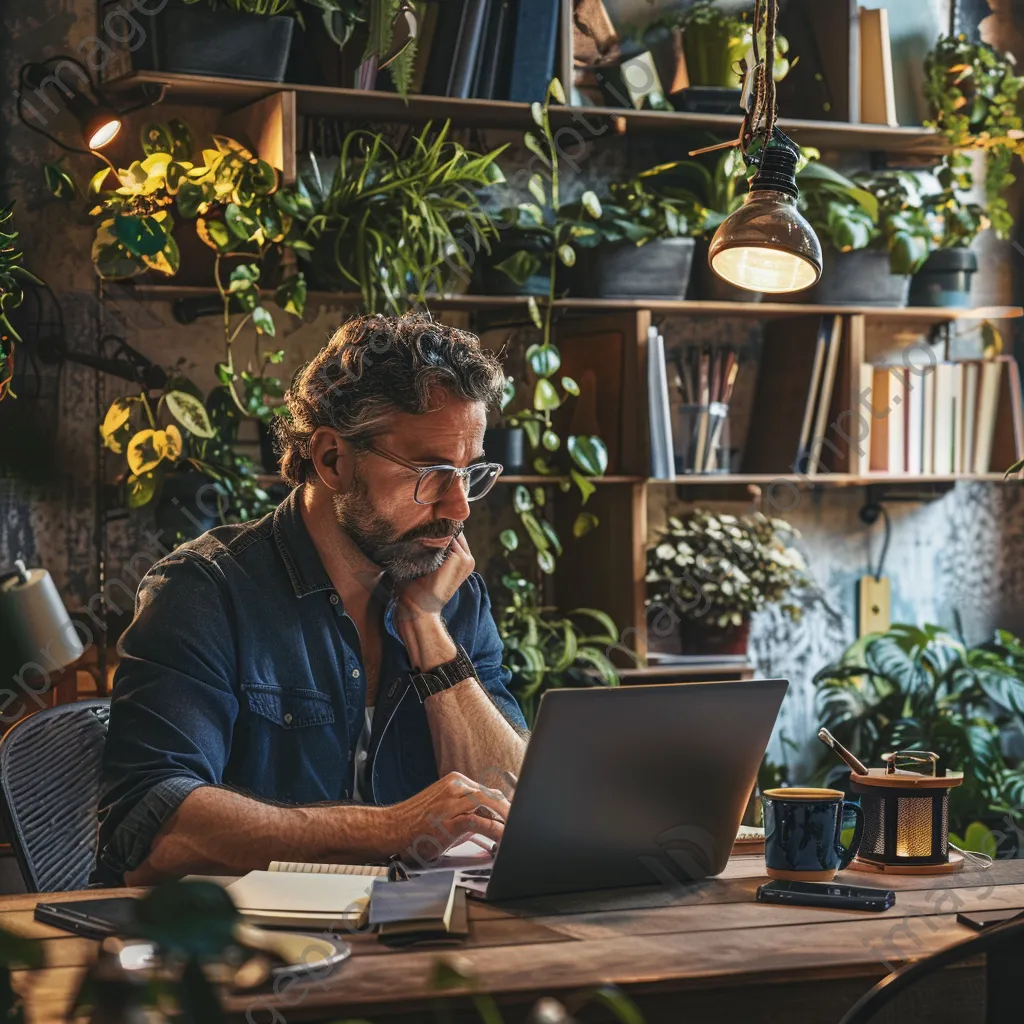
420,601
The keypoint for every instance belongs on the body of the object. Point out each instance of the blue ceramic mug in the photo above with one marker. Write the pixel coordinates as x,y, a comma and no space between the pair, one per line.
802,830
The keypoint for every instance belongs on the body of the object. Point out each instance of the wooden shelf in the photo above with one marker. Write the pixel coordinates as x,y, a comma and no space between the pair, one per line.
684,307
527,478
231,93
827,479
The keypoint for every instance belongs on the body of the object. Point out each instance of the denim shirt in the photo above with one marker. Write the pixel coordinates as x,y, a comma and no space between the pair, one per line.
242,669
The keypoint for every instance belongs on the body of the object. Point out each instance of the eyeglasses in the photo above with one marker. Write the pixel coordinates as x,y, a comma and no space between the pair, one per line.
921,762
435,481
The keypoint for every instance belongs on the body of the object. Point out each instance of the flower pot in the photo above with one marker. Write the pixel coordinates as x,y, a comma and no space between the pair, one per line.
706,285
858,278
702,636
621,270
945,279
711,52
506,445
488,280
189,504
197,39
269,458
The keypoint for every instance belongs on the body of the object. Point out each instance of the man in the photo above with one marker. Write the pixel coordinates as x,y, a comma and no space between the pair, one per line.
325,684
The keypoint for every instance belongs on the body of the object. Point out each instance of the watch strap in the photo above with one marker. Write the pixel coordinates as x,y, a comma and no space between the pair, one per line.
445,676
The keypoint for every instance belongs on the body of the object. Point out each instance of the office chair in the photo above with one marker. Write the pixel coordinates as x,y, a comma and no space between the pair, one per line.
1003,946
49,792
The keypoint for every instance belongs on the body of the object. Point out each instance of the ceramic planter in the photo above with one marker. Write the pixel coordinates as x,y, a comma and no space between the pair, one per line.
506,445
197,39
945,279
621,270
706,285
858,278
701,636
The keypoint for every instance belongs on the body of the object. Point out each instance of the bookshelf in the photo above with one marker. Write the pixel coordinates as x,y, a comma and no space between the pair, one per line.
685,307
229,94
606,567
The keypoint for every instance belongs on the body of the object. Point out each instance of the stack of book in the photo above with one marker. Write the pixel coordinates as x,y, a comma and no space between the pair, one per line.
487,49
939,419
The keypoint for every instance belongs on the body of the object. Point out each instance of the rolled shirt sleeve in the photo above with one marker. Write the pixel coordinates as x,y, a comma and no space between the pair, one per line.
173,709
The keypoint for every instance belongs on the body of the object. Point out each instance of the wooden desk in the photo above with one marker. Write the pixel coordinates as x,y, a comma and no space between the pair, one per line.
703,952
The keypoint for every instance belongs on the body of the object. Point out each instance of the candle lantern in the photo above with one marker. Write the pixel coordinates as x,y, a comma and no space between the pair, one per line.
906,815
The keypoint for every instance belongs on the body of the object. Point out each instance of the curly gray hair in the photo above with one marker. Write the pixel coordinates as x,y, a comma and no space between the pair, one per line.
375,366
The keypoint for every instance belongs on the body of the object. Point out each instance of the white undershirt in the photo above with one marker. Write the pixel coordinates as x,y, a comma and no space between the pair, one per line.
362,751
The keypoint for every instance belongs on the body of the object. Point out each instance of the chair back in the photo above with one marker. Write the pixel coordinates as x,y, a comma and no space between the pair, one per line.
50,766
1003,947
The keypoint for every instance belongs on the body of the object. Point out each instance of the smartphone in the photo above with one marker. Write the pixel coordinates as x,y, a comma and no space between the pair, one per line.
826,894
979,920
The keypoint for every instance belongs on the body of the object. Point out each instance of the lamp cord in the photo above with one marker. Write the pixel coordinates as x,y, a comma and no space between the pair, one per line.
972,858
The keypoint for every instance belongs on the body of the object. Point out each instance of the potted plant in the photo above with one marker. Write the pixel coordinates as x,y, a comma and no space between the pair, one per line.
923,688
713,572
872,231
230,199
505,443
12,275
221,38
538,236
714,41
392,225
643,243
544,649
973,90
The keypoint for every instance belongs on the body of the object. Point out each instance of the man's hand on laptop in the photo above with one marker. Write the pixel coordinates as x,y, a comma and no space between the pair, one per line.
451,810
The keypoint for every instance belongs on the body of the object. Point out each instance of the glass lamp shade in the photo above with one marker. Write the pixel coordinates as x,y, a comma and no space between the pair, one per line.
766,246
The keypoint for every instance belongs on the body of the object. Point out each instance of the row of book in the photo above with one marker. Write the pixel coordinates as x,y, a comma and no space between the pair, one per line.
937,419
488,49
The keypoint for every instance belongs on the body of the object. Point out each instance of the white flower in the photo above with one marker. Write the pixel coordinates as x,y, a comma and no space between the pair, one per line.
727,519
665,551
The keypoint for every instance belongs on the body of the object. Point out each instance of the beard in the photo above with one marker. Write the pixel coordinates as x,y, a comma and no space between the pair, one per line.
398,554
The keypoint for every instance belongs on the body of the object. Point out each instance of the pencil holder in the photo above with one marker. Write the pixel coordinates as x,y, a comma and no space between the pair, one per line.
701,438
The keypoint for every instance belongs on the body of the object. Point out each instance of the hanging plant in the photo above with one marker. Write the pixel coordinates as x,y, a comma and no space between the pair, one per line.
12,275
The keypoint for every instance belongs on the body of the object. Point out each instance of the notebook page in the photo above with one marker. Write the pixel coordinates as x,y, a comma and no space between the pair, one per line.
300,893
328,869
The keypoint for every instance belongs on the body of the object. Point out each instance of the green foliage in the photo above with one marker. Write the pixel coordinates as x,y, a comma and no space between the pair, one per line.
184,431
725,568
922,688
12,275
390,224
548,229
543,650
637,211
973,93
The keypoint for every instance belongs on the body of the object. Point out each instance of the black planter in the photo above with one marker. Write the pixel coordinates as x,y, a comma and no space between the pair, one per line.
488,280
506,445
945,279
858,278
621,270
197,39
706,285
188,504
269,458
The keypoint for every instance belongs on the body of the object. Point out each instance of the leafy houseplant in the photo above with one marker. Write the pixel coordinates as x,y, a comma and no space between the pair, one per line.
392,224
12,275
973,93
712,572
643,244
543,650
922,688
715,41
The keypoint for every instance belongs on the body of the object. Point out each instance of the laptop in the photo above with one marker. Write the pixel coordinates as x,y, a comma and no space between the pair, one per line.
636,785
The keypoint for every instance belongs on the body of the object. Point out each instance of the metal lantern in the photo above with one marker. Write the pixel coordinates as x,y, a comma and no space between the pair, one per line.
906,815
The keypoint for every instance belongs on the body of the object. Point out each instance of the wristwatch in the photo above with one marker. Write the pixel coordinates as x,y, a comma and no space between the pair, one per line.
444,676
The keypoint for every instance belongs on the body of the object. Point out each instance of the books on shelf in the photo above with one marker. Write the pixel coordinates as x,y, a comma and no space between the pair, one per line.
953,418
659,408
877,87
